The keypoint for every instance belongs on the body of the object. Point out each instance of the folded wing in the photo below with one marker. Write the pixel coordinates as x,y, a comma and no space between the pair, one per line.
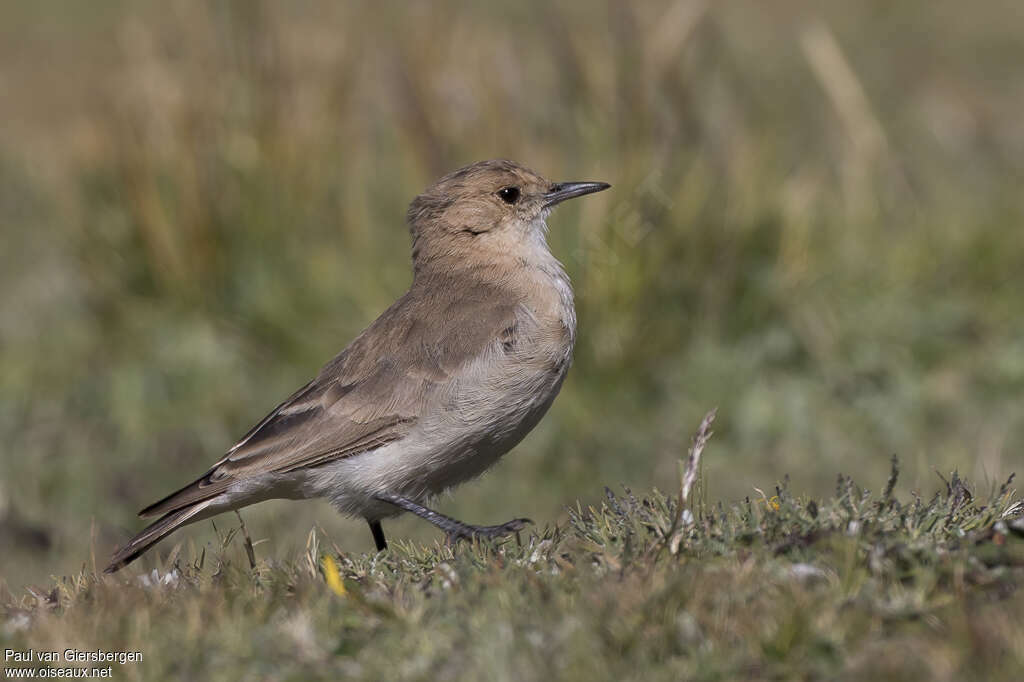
371,394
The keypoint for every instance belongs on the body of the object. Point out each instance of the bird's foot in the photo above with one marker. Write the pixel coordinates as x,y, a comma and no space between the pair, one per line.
454,529
465,531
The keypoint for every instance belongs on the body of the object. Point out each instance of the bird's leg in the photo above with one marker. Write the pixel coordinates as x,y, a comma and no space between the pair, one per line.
455,530
378,535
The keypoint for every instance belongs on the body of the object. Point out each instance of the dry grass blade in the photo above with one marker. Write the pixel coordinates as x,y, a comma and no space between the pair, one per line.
249,551
844,89
700,439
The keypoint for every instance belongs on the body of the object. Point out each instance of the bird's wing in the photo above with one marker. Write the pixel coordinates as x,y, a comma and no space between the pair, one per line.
372,393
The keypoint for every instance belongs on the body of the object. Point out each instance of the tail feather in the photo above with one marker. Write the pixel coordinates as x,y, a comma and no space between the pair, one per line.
154,533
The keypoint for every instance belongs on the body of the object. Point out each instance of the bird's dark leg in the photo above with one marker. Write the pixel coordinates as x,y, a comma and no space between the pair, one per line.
378,535
455,530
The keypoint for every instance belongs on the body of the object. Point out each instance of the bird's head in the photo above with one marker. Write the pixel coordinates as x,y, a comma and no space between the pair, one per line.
494,207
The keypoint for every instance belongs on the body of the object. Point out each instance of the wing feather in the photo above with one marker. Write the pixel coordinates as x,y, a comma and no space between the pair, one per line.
370,394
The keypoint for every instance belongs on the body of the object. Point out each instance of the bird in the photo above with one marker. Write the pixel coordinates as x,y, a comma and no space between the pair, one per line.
436,390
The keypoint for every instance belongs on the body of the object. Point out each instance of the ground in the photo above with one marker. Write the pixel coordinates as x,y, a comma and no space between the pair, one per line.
860,585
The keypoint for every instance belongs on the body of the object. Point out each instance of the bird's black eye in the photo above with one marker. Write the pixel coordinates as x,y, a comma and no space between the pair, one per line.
509,195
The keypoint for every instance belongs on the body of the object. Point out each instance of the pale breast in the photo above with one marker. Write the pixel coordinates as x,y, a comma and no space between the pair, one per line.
502,395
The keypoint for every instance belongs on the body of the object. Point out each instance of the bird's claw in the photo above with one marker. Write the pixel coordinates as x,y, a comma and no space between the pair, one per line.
489,532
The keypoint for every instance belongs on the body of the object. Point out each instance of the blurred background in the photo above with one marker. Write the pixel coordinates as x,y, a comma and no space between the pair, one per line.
815,225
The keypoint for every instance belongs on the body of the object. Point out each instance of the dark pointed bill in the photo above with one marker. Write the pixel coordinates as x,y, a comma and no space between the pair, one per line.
567,190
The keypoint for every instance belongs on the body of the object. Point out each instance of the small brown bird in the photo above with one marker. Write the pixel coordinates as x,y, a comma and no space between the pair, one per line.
447,380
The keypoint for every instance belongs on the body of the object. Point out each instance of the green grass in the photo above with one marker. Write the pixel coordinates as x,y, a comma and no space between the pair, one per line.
814,225
860,585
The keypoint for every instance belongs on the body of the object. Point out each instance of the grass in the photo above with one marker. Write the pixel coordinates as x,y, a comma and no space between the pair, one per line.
860,585
814,224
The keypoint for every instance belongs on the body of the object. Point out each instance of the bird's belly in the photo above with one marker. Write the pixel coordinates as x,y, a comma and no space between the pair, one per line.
483,423
462,438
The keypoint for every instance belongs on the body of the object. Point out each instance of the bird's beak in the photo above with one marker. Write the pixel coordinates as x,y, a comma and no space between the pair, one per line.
567,190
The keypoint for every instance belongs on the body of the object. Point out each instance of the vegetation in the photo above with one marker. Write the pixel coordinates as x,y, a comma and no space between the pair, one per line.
814,225
859,586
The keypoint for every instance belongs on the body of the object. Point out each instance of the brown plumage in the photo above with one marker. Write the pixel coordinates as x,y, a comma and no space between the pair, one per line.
444,382
369,394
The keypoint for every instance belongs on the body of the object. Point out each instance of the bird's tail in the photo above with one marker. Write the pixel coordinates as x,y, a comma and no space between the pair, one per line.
154,533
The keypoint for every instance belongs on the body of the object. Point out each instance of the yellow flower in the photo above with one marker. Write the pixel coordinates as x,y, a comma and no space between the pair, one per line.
332,575
773,503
